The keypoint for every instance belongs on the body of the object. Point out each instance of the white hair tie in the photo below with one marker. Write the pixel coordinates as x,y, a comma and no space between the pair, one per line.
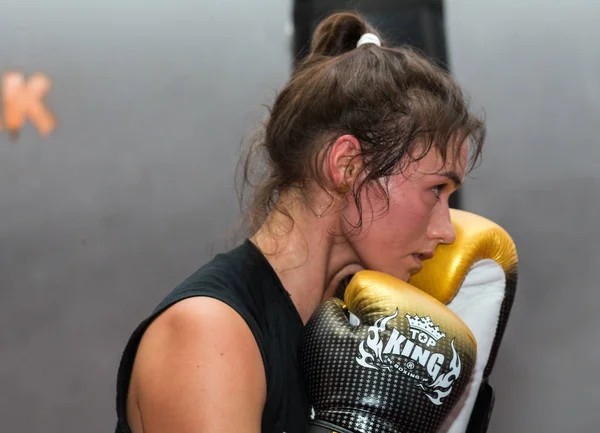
368,38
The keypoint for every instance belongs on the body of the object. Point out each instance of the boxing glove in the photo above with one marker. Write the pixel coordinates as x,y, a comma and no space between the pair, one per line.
476,277
388,359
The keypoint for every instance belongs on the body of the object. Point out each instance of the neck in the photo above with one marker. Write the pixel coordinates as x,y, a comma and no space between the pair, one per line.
307,255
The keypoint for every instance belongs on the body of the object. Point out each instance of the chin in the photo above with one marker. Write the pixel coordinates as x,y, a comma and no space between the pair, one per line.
403,275
406,277
407,274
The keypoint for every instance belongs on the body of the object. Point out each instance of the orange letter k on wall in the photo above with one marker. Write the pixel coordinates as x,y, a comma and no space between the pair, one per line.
23,99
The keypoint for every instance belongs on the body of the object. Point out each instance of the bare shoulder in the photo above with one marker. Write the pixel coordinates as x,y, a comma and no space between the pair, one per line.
198,368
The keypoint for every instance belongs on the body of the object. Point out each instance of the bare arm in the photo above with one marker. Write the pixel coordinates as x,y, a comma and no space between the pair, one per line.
198,369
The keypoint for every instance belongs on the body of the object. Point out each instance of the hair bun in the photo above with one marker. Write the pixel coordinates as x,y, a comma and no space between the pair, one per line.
338,34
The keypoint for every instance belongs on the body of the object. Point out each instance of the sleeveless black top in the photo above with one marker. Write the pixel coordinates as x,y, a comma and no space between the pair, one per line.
244,280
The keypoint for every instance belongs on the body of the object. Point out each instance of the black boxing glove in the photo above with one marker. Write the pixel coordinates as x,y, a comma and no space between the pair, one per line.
392,359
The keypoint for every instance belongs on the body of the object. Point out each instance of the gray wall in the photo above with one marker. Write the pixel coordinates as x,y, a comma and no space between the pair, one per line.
535,66
134,189
130,194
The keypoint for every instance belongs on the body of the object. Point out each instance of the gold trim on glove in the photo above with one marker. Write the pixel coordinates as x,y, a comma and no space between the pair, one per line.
477,238
371,295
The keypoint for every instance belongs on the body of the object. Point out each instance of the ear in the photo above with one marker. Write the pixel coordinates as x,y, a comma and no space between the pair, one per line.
344,162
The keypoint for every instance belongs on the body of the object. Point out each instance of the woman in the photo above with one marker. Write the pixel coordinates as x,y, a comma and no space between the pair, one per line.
364,146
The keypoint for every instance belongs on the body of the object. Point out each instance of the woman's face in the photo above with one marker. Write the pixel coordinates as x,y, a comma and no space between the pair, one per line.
418,220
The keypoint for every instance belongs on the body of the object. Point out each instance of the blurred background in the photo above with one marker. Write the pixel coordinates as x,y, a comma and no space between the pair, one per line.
133,187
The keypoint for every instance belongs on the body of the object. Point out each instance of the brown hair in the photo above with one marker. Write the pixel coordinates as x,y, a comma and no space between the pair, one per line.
393,100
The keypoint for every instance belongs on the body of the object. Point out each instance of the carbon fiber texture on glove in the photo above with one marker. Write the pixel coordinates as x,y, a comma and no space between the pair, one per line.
384,375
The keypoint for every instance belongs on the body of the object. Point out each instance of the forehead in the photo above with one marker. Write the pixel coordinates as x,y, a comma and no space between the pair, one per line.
433,162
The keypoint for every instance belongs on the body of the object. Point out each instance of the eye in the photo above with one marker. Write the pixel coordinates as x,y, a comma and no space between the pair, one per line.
437,190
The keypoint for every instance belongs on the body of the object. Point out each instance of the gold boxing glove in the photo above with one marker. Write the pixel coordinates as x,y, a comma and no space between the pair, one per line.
475,277
389,359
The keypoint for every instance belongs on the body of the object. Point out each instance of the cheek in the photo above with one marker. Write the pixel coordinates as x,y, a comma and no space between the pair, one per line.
409,213
388,240
393,229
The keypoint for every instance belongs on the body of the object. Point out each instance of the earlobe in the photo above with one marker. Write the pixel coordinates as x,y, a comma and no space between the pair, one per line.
344,188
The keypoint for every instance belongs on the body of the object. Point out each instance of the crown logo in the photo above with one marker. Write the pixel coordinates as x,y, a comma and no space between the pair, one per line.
426,325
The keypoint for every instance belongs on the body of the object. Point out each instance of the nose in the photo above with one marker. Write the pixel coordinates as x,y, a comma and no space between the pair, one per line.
441,228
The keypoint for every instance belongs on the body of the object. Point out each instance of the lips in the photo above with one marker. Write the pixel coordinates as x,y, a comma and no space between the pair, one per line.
419,259
423,256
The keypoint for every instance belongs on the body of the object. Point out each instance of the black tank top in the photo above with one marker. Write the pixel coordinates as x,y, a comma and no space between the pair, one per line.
244,280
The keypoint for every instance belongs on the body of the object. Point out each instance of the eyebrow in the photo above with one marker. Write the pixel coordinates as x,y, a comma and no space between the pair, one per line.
453,176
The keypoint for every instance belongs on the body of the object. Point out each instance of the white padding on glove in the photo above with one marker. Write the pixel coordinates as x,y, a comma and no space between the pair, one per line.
478,304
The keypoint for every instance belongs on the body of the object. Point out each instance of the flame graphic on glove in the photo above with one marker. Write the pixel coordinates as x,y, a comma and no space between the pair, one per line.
398,347
445,381
374,342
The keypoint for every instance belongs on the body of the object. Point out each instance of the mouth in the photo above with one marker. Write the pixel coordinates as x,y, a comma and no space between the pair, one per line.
421,257
418,257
